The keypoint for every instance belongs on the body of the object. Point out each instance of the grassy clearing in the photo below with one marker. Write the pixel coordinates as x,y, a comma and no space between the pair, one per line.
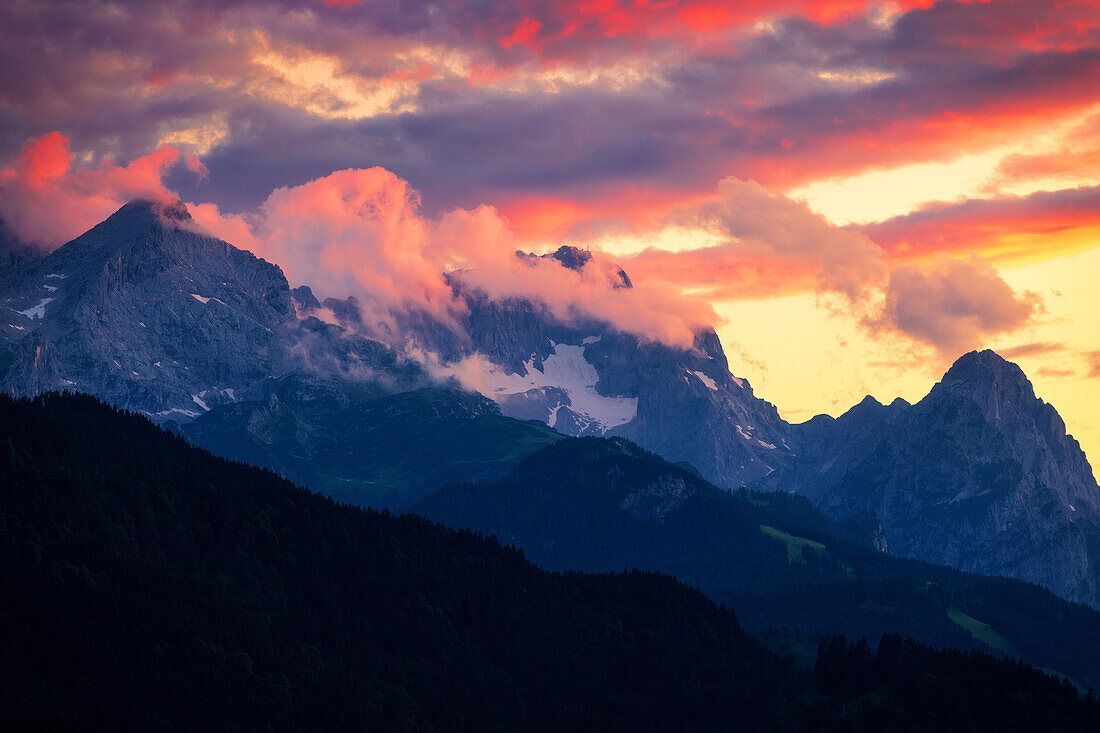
794,544
983,632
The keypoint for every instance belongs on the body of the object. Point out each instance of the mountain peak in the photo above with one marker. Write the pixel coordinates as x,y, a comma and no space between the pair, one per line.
575,259
986,368
572,257
137,216
142,208
997,386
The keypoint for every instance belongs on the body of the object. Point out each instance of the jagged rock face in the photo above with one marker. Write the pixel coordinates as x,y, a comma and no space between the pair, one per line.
979,475
585,378
151,315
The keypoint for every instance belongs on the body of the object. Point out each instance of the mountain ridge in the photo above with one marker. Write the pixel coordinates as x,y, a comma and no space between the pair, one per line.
145,312
594,504
980,474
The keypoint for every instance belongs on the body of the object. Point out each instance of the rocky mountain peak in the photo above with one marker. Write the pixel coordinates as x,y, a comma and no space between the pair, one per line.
572,257
998,387
983,368
979,475
575,258
159,210
143,214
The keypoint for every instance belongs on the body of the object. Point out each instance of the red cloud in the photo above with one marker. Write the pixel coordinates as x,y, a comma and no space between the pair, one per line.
524,35
44,160
47,201
689,20
361,232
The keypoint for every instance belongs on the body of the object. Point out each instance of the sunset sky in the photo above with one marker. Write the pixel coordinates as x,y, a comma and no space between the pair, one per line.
853,193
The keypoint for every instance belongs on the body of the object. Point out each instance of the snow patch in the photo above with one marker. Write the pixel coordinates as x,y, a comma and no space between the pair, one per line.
553,419
165,413
39,311
744,435
19,328
565,368
711,384
199,298
199,402
67,383
57,275
738,381
50,288
591,340
767,445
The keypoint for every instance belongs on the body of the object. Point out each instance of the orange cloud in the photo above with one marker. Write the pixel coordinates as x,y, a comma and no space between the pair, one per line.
773,245
777,246
1006,228
541,219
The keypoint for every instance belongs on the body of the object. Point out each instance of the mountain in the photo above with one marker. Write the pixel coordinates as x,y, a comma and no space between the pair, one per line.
597,505
149,585
979,475
147,313
583,377
361,446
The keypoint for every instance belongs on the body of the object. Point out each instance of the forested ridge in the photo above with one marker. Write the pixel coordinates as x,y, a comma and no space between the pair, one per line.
594,504
149,585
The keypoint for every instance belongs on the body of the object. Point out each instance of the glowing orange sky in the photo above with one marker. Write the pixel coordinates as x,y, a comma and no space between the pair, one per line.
841,167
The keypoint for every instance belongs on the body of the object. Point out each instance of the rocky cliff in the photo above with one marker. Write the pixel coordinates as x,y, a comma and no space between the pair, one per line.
979,475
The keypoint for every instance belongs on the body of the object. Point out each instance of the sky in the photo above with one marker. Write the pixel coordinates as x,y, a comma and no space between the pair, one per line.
853,193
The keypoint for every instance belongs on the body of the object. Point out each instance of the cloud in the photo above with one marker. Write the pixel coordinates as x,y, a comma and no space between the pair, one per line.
778,227
1033,349
361,232
603,101
353,231
1093,359
953,306
46,200
772,244
1007,227
775,245
1077,158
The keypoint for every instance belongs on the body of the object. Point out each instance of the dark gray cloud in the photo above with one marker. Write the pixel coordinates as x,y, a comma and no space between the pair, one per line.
490,119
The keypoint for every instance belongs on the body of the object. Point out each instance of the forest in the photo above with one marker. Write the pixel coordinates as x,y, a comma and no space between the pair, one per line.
150,585
794,576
